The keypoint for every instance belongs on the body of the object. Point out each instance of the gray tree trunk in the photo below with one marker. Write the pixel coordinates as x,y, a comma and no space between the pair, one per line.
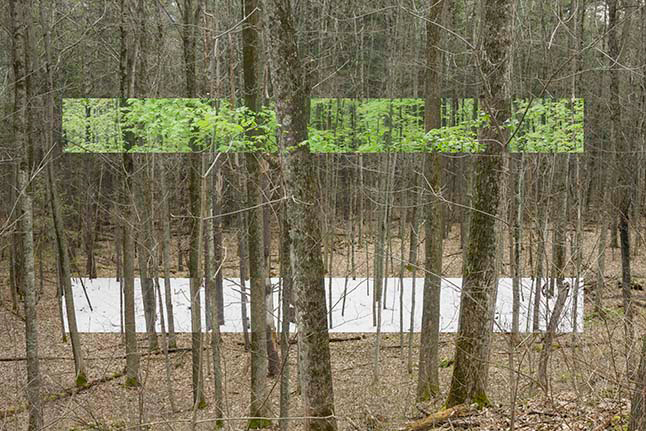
20,16
63,259
470,373
146,246
29,291
638,402
291,93
255,224
166,239
428,379
286,300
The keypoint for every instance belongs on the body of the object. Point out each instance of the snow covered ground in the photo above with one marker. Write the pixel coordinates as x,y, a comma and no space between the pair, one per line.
104,297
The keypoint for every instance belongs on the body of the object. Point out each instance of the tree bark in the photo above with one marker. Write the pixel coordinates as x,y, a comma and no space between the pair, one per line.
257,271
191,12
428,379
470,373
65,278
638,402
291,91
20,16
166,239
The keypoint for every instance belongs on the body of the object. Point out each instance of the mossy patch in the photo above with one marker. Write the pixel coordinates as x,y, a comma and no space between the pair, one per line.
131,382
447,362
481,400
202,404
81,380
259,423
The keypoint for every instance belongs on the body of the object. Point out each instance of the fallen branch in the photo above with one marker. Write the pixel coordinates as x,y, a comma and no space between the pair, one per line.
65,393
96,358
332,340
438,418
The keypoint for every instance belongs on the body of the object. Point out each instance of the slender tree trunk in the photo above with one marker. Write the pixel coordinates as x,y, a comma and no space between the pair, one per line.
242,250
146,247
29,290
20,16
65,276
638,403
559,265
128,283
66,279
211,270
379,258
624,175
428,379
257,271
286,284
191,12
166,239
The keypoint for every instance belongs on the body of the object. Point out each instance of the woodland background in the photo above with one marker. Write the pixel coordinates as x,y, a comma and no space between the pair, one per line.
377,215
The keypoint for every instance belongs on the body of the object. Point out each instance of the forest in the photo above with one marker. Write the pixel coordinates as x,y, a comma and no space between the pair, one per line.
319,215
335,125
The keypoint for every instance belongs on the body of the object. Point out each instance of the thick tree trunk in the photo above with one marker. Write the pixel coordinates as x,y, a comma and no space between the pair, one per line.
470,373
291,93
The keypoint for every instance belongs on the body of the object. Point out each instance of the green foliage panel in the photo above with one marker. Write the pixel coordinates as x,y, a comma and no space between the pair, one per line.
335,125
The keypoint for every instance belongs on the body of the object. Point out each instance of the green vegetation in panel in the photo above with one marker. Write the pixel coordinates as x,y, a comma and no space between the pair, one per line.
548,125
335,125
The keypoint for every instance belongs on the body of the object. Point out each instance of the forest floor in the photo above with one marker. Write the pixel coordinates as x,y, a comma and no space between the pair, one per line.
588,390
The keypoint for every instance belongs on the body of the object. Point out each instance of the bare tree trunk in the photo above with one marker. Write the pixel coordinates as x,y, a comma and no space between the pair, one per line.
197,212
20,23
132,357
559,265
563,291
128,283
242,249
65,276
191,12
216,266
414,244
625,174
257,270
29,290
379,258
66,279
166,239
428,380
146,246
638,404
286,284
470,373
291,93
